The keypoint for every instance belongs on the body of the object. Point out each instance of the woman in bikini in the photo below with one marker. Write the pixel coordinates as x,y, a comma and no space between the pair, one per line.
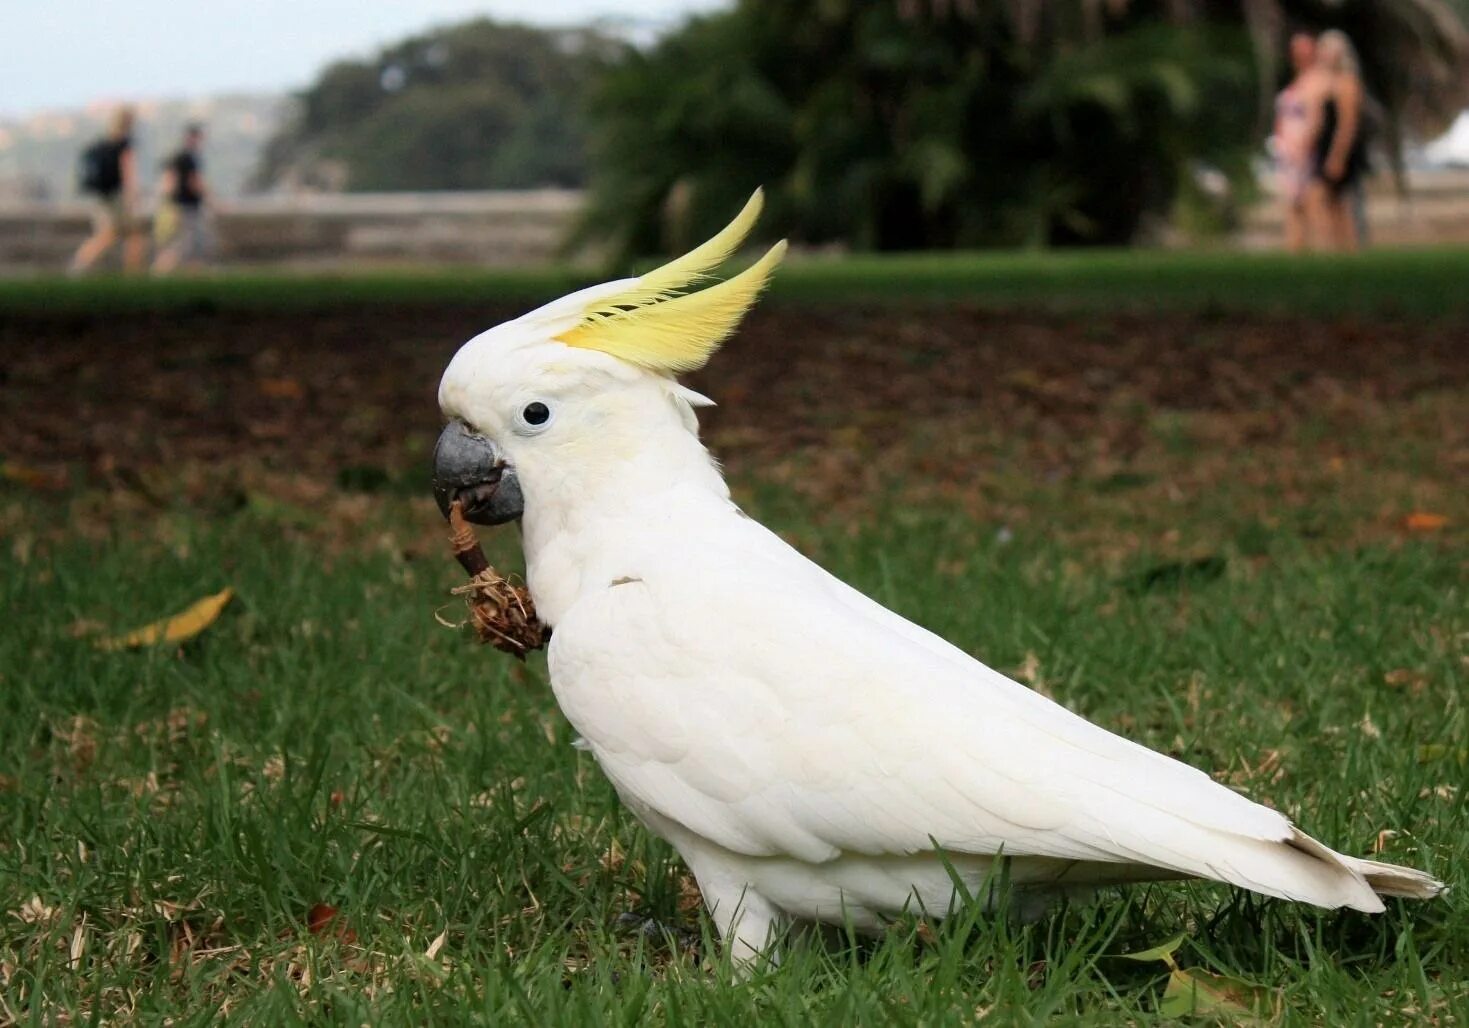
1339,154
1291,143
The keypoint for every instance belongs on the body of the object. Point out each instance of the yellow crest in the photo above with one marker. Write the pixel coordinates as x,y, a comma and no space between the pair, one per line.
657,324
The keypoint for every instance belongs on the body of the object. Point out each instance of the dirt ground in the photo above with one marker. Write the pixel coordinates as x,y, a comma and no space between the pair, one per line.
836,404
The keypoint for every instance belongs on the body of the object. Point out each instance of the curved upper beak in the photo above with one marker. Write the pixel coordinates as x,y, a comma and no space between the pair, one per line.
470,468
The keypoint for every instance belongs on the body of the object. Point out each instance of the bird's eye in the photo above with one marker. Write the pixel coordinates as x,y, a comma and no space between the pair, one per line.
535,414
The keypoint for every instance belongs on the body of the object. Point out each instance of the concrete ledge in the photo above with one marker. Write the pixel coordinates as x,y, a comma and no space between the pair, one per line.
529,229
490,229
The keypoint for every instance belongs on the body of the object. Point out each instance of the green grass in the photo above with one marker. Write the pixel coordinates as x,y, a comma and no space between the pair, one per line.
1247,600
178,813
1422,283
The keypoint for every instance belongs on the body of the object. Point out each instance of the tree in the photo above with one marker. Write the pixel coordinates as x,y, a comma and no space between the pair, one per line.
481,105
896,124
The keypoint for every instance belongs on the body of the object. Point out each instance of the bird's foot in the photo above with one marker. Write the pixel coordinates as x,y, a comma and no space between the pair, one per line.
651,929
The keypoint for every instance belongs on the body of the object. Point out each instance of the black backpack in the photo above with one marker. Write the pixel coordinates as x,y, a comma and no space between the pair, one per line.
100,169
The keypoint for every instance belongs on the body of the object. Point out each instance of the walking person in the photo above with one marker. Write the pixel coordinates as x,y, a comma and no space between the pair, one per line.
1339,153
109,172
180,230
1291,143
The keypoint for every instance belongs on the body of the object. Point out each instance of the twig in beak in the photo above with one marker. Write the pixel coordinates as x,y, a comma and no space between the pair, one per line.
503,614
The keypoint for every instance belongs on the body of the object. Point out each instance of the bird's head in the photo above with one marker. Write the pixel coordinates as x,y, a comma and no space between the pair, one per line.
581,390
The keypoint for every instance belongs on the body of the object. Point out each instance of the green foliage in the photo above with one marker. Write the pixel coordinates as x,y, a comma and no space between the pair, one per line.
891,132
903,125
480,105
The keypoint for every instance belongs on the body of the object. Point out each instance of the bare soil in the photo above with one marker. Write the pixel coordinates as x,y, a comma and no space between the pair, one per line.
836,404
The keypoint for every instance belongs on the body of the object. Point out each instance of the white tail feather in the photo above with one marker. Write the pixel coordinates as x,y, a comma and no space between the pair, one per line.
1392,880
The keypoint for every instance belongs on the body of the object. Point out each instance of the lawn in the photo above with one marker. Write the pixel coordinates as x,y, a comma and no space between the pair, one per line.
1236,538
1390,282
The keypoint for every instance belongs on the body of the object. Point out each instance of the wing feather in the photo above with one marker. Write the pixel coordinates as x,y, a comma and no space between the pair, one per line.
762,704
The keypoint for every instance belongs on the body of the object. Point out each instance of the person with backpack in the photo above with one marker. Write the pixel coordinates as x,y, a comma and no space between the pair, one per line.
109,174
179,230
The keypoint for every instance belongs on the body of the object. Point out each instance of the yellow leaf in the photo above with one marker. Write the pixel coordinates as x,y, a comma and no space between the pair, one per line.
34,478
1435,751
1423,521
282,388
1199,992
184,625
1163,951
1406,678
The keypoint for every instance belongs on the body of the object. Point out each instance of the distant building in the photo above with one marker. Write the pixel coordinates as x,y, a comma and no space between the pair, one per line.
18,188
1452,148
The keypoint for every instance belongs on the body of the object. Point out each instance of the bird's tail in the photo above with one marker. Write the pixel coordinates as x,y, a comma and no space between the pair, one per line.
1392,880
1380,878
1301,869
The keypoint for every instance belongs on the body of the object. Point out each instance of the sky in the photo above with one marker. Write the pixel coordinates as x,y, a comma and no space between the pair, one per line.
68,53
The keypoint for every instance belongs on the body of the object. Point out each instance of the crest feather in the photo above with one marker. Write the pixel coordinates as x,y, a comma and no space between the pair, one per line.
657,325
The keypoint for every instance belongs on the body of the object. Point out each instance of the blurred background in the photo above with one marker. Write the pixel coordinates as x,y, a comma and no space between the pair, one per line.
1095,241
1074,360
510,133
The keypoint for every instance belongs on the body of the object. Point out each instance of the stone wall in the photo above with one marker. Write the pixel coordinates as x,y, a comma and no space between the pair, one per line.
1435,211
521,229
489,229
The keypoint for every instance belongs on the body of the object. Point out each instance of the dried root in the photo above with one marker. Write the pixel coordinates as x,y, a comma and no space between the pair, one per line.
502,613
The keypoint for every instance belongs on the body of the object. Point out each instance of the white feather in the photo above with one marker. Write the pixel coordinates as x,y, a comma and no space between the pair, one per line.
761,705
810,753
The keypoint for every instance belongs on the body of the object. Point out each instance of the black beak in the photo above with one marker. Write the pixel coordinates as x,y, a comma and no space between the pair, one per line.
469,468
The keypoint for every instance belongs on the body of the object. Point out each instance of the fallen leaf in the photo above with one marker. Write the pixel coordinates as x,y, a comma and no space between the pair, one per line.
1194,991
80,736
282,388
31,477
432,952
36,911
181,627
1029,673
1406,678
319,918
1423,521
78,942
325,920
1435,751
1029,670
1163,951
1199,992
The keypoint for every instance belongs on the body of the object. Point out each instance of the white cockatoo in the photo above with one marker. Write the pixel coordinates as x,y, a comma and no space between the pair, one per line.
810,754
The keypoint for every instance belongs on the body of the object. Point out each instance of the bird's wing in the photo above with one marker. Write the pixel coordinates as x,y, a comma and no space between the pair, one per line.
767,707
